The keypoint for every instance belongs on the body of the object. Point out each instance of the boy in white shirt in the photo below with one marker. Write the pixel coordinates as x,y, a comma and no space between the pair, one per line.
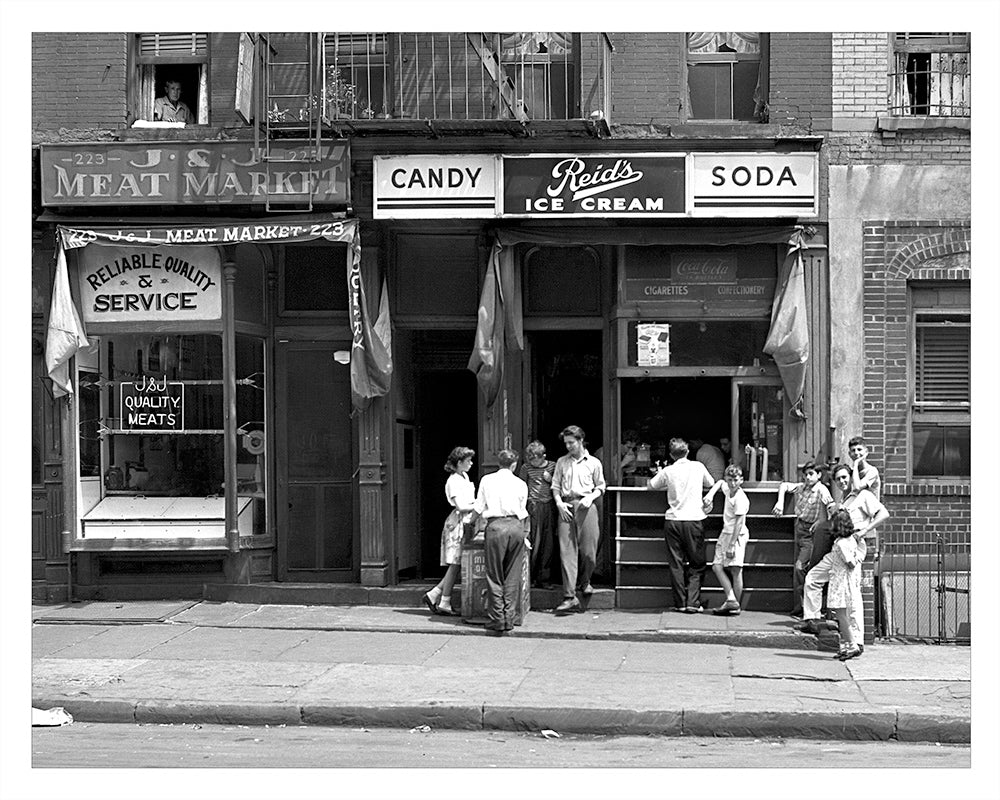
731,547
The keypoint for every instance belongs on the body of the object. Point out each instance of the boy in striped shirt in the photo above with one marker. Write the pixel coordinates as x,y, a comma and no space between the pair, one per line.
536,471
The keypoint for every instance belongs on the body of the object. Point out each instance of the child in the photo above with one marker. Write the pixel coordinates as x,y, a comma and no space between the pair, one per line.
536,471
863,474
732,544
844,591
812,498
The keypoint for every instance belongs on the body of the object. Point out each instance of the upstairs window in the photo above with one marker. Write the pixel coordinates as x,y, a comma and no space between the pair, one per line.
727,76
941,407
931,76
172,77
356,76
540,69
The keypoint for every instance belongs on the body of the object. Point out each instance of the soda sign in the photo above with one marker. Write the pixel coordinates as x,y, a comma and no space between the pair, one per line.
754,184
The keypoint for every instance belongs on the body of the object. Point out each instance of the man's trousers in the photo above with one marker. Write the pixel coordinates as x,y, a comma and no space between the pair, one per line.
504,552
578,547
686,551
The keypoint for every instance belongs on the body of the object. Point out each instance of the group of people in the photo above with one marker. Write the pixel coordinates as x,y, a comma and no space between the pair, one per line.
522,512
832,537
548,502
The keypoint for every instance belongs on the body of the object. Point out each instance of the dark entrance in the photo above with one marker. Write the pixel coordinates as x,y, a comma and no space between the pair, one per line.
565,388
315,445
446,415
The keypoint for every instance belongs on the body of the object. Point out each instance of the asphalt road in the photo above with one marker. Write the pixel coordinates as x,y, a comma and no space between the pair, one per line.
91,745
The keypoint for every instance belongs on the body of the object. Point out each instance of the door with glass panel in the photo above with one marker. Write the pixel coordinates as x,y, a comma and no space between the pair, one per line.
315,458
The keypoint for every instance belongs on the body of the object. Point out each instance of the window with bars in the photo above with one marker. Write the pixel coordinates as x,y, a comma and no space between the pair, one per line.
727,76
931,76
164,63
941,380
541,70
356,76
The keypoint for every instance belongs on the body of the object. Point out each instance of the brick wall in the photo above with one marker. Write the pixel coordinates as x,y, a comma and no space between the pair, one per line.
800,89
78,81
646,73
896,252
860,74
916,147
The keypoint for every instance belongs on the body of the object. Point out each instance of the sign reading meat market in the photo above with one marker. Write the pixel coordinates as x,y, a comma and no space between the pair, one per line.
606,185
187,173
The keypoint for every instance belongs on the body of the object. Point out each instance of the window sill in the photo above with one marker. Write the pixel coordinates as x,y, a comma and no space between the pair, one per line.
887,123
956,487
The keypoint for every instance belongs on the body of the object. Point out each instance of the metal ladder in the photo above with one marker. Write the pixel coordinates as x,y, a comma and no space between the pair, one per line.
275,150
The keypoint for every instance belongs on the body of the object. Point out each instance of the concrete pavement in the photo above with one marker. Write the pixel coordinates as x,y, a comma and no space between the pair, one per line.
606,671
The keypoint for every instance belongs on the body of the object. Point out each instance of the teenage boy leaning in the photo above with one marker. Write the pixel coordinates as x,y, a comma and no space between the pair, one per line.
863,474
812,498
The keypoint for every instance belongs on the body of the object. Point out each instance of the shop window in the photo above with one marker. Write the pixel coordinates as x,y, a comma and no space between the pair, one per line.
160,415
540,69
313,280
727,75
930,76
940,433
355,78
714,343
562,280
177,59
251,449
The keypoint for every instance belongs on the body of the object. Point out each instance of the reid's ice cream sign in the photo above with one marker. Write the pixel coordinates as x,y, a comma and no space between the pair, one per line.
754,185
606,185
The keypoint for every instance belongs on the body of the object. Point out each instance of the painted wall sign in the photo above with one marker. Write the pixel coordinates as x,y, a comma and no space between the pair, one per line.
701,282
435,187
186,173
754,184
151,406
607,185
150,284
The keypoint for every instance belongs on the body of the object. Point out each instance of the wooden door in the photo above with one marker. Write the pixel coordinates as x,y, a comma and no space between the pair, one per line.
316,508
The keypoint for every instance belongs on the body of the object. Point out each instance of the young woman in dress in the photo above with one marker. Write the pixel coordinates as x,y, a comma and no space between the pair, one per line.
461,495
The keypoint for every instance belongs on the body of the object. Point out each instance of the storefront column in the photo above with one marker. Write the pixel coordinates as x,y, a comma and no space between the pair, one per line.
237,564
375,518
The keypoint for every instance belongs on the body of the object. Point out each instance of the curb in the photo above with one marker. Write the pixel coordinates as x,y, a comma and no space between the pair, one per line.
866,725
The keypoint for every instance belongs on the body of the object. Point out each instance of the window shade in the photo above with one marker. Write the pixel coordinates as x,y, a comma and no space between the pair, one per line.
173,44
942,362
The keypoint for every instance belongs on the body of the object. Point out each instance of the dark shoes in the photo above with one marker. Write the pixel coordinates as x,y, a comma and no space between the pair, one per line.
850,652
429,602
809,626
728,609
568,606
587,590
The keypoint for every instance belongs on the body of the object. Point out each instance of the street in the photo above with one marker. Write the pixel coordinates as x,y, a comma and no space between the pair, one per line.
123,745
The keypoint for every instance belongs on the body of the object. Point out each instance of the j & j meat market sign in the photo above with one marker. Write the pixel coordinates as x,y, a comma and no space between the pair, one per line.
187,173
607,185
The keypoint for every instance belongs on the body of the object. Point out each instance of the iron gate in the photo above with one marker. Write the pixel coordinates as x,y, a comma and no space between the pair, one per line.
923,591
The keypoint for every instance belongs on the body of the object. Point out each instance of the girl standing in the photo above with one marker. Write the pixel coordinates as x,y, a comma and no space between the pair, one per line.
730,549
461,495
844,591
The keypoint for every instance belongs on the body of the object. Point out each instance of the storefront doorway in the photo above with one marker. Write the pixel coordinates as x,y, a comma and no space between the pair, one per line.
565,388
315,457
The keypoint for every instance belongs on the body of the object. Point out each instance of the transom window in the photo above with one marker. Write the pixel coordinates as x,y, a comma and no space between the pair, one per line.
168,61
727,76
941,404
931,75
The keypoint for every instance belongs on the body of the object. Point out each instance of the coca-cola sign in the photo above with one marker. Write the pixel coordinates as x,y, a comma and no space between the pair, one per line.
698,267
607,185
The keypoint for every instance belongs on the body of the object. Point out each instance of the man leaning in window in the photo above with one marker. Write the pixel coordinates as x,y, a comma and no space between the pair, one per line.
171,108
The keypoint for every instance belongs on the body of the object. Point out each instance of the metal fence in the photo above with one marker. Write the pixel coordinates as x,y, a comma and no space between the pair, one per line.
923,592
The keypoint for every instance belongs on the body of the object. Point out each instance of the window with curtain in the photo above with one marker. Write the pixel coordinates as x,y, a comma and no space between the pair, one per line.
931,75
727,75
940,432
180,58
540,68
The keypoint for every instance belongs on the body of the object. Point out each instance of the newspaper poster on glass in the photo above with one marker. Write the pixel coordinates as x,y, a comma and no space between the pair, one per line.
654,344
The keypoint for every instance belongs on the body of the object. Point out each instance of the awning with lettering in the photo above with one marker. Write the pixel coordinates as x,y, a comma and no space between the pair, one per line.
300,228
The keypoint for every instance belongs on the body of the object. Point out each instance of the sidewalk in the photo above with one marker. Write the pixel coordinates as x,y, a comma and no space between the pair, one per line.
606,671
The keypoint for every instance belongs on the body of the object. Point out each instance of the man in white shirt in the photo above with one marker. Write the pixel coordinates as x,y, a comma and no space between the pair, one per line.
577,481
502,502
685,482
